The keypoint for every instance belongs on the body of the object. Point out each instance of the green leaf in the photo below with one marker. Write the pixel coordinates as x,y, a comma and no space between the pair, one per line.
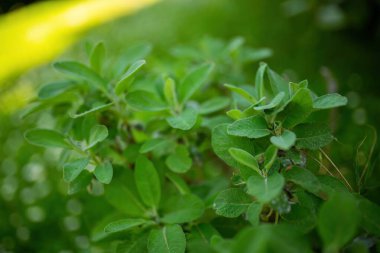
270,157
132,54
136,244
179,161
278,83
125,224
331,185
303,178
284,141
126,80
231,203
253,213
98,133
270,238
98,57
46,138
170,93
245,158
147,182
178,182
82,72
193,81
245,94
255,54
265,189
329,101
214,105
297,109
312,136
98,108
337,221
52,90
275,102
185,120
72,169
235,114
370,216
104,172
259,81
199,239
182,209
124,199
294,87
252,127
145,101
221,142
80,182
153,144
169,239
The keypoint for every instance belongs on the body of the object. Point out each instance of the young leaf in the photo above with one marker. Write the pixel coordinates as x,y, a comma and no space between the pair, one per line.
46,138
245,158
337,221
104,172
231,203
182,209
98,56
235,114
170,93
270,157
72,169
179,161
169,239
98,133
213,105
245,94
329,101
126,224
298,109
185,120
147,182
82,72
126,80
294,87
284,141
145,101
265,189
259,81
193,81
98,108
52,90
275,102
312,136
253,213
278,83
252,127
303,178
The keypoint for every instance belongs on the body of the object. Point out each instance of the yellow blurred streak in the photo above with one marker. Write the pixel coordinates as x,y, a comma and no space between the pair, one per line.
36,34
15,98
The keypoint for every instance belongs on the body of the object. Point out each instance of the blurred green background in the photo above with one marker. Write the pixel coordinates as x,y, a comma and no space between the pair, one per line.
335,44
